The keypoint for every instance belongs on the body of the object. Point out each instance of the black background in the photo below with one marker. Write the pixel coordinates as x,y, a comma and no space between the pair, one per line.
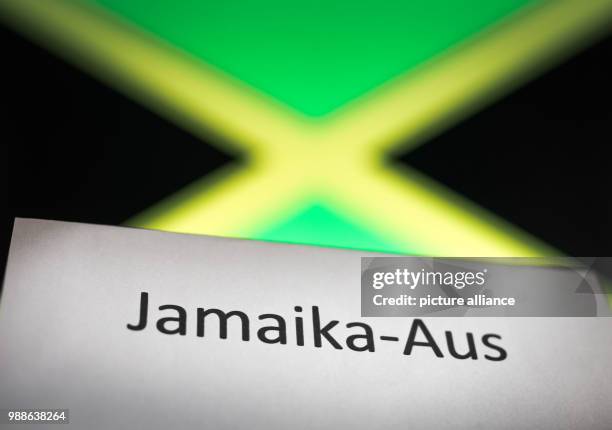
540,157
73,149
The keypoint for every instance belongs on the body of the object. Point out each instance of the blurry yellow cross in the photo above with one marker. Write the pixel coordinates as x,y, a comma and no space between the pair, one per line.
339,158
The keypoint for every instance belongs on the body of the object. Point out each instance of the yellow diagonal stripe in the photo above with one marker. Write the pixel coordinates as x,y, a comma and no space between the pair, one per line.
337,158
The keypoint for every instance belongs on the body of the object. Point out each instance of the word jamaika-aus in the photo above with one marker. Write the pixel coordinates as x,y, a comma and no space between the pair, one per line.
273,329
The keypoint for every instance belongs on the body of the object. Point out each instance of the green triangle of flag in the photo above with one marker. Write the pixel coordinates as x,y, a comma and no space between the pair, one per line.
319,225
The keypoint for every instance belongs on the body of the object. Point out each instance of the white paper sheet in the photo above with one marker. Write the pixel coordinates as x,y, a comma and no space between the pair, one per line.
71,289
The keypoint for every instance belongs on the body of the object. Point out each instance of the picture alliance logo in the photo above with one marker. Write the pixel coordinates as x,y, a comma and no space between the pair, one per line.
412,279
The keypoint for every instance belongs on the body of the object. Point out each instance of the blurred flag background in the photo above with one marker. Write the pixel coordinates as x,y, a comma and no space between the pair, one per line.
446,127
